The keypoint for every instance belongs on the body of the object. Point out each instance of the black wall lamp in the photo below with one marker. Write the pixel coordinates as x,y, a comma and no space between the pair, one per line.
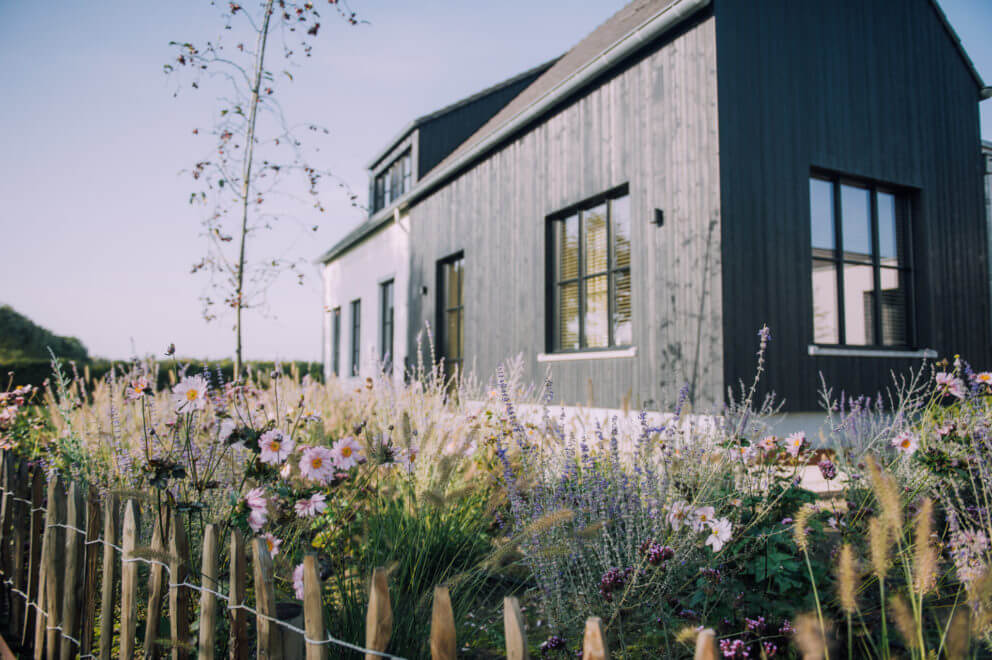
659,217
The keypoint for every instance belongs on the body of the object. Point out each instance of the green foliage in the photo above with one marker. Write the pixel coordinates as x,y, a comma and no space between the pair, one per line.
23,341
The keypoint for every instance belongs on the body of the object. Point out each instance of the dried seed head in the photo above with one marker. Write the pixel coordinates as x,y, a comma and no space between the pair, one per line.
887,493
904,621
799,535
878,543
925,555
549,521
810,638
847,580
959,635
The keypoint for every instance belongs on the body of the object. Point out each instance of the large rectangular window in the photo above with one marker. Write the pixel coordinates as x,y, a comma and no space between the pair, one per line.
451,312
356,336
861,266
393,182
386,325
336,341
590,288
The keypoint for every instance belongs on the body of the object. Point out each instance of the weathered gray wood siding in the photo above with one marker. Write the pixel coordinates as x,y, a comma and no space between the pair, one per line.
873,89
651,124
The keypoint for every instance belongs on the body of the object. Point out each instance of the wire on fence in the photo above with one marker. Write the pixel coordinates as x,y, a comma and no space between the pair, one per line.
153,562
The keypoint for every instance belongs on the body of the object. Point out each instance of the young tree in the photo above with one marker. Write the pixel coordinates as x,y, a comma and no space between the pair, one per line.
257,155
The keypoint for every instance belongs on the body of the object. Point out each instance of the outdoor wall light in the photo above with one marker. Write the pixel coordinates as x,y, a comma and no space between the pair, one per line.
659,217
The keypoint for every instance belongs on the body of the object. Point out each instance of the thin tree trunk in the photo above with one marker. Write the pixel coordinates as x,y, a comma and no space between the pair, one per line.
263,35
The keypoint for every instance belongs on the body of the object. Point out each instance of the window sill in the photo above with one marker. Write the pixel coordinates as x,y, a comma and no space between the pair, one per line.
588,355
830,351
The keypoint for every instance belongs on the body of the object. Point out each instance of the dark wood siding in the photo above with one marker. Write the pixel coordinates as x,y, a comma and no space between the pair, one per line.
440,136
872,88
652,124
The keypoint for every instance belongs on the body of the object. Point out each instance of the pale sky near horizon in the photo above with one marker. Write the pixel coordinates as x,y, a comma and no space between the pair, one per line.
96,235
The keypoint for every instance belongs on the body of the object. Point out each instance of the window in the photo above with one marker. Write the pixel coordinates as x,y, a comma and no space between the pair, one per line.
386,325
861,266
393,182
589,296
451,311
356,336
336,341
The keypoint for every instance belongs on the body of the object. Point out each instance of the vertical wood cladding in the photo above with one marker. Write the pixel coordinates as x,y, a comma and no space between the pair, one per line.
651,124
874,89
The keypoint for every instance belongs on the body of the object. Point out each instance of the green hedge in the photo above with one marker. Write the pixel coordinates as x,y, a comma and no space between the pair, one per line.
34,372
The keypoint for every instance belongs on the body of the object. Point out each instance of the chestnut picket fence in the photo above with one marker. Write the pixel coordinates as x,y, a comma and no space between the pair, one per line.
69,579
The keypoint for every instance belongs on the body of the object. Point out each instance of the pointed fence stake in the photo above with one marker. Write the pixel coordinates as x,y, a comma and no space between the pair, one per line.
56,567
179,597
313,609
238,643
111,510
379,620
129,581
34,560
513,626
91,572
268,645
443,644
156,584
75,543
19,562
594,640
706,645
208,601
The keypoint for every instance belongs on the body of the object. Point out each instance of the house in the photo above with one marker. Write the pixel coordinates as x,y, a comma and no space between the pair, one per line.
689,172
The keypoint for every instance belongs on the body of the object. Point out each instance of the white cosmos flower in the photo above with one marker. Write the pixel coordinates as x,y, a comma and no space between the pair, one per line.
346,453
275,447
298,581
271,544
317,464
311,506
906,442
720,533
702,517
678,514
795,443
191,394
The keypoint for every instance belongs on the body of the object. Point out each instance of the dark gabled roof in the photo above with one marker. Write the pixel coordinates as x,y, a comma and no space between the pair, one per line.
420,121
957,44
599,40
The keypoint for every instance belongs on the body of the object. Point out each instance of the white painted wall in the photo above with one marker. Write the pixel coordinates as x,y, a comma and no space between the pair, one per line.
358,274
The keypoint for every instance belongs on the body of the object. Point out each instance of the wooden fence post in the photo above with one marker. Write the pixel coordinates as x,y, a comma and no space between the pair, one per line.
594,640
92,567
6,518
268,641
22,513
443,643
239,618
72,582
706,645
179,597
313,609
156,584
41,594
513,626
56,567
110,526
36,535
129,581
208,601
379,620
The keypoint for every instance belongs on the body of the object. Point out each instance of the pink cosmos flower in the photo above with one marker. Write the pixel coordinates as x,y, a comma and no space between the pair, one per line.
255,499
272,544
767,443
190,394
703,517
317,464
794,443
257,519
906,442
984,378
137,388
275,447
948,384
678,514
311,506
346,453
298,581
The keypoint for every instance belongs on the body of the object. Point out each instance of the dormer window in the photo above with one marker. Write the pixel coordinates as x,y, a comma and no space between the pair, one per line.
393,182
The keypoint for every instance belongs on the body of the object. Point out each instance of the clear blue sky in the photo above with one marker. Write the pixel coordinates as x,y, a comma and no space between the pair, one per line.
96,236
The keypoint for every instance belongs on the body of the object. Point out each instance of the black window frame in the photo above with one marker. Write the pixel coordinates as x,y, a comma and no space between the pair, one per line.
356,337
387,311
393,181
336,341
451,365
553,284
905,203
